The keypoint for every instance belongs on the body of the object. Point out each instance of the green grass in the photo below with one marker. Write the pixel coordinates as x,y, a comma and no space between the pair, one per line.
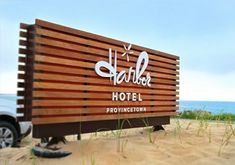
149,130
228,133
33,157
178,130
118,132
92,160
205,115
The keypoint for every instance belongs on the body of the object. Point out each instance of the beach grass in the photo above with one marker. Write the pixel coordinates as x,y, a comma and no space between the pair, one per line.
33,157
205,115
93,162
228,133
209,135
149,131
118,132
178,130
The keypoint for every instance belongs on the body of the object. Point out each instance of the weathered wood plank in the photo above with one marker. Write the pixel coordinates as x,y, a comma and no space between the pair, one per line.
75,87
73,31
68,70
68,119
89,42
99,103
89,110
88,65
24,26
75,47
90,80
63,53
92,95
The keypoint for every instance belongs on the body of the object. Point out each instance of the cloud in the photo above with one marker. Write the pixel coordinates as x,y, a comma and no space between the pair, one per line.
8,82
196,85
9,32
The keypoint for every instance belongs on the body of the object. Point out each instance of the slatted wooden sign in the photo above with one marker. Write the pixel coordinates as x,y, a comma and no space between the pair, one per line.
67,76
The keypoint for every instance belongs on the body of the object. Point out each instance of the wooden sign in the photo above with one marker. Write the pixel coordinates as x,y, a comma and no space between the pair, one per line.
68,78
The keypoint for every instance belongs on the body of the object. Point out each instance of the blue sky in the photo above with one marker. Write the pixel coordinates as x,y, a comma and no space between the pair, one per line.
201,32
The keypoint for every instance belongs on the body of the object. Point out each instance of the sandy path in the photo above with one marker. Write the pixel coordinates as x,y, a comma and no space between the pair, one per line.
187,145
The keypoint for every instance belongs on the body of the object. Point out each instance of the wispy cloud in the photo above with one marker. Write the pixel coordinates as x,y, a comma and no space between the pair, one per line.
195,85
200,32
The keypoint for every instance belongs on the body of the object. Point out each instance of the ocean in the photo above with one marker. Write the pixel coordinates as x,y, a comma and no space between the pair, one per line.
215,107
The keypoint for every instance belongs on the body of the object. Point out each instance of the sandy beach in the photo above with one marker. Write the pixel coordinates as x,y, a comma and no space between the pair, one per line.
184,142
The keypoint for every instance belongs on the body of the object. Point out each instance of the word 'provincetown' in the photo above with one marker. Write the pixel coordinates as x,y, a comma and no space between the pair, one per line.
125,109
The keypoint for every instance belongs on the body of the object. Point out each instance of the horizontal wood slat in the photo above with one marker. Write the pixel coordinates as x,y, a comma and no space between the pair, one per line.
89,110
75,87
21,93
91,80
78,71
53,52
23,43
25,51
75,47
76,32
21,118
21,76
68,119
24,26
88,42
98,103
89,95
22,59
20,110
88,65
70,71
23,34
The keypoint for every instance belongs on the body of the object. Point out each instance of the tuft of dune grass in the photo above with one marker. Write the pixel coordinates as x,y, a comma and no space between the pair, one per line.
205,115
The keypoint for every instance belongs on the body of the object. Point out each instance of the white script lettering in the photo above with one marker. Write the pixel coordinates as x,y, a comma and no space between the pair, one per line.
118,78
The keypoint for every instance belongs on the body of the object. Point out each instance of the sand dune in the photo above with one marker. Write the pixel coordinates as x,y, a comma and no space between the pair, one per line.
193,143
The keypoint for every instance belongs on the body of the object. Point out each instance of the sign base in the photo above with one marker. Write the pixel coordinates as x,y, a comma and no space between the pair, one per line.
63,129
